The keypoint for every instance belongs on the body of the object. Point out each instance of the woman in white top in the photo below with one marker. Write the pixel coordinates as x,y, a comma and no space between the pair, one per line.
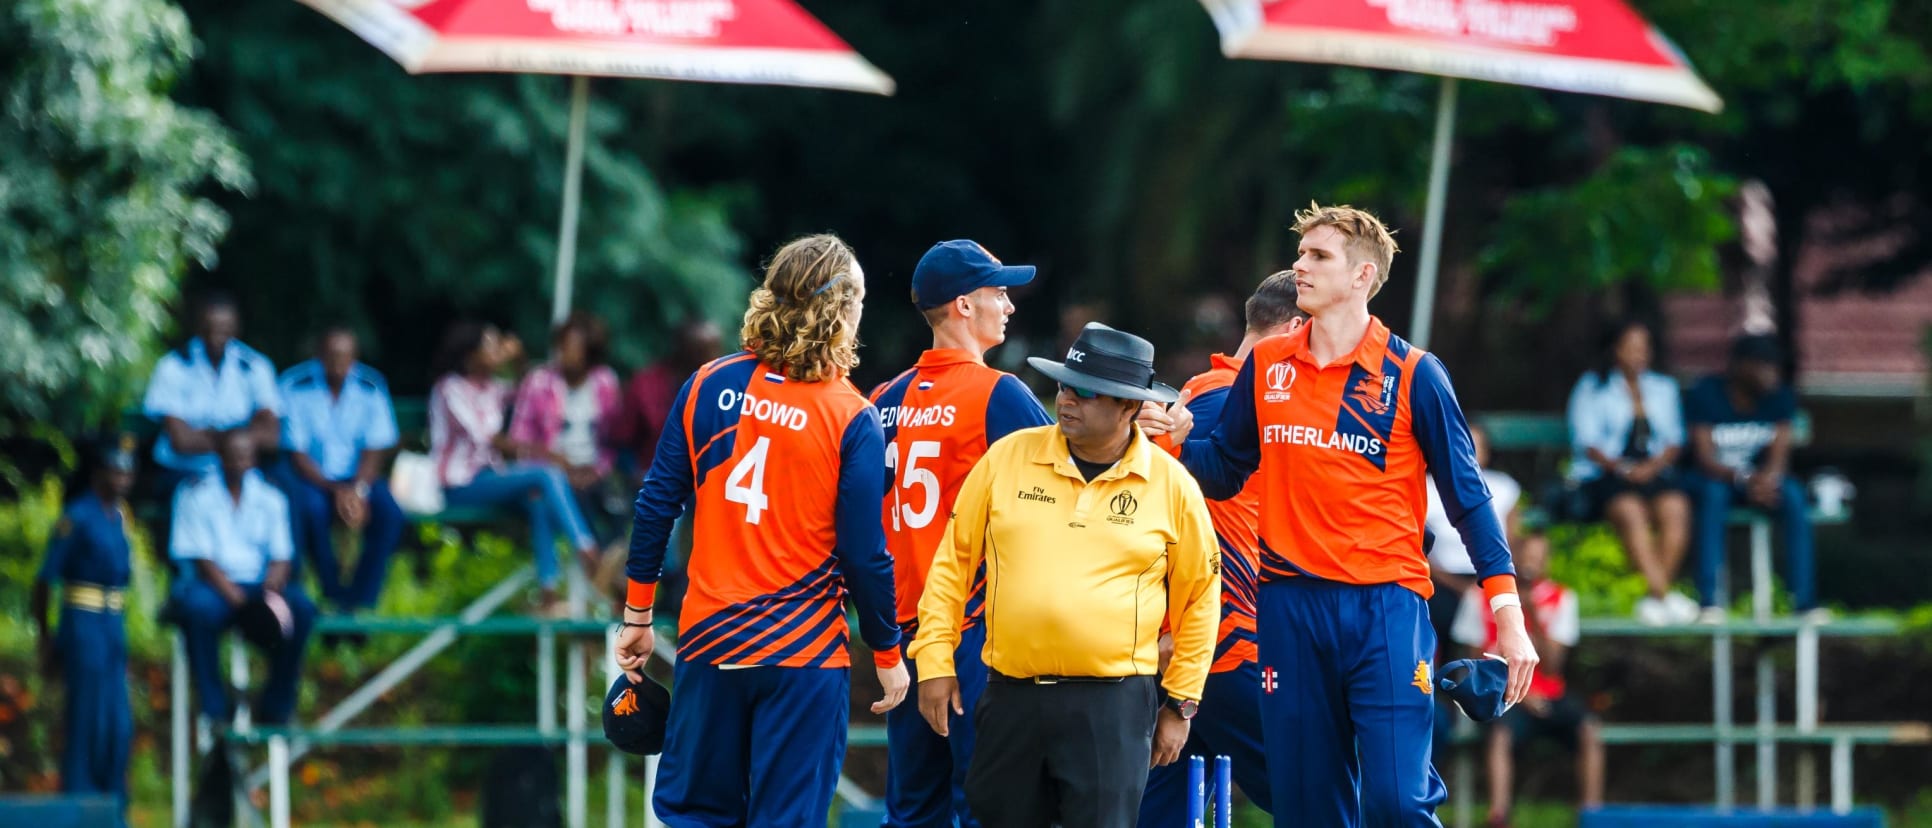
1627,429
480,465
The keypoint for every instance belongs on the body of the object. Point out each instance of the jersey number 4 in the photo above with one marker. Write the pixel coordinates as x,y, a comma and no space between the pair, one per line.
752,466
914,476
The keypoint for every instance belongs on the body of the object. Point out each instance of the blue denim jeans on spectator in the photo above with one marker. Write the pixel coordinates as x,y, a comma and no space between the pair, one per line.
545,493
1713,500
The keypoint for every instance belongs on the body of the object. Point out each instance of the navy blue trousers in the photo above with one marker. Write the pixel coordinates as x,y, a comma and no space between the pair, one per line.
312,510
1347,704
1228,724
204,617
758,746
926,773
99,723
1714,499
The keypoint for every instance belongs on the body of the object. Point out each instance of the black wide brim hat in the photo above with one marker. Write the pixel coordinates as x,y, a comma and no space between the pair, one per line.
635,715
1110,362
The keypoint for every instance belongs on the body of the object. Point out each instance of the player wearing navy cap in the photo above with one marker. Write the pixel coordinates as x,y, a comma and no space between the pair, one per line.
939,418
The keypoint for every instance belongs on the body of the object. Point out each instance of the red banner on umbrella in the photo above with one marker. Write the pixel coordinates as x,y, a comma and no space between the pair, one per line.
1597,47
724,41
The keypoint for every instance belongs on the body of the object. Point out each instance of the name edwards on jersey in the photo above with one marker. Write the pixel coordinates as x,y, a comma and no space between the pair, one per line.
897,416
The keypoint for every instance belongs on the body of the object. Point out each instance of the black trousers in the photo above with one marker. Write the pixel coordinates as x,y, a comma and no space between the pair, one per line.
1072,754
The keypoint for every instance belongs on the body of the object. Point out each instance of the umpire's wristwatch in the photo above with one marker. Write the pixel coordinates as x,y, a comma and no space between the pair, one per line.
1185,708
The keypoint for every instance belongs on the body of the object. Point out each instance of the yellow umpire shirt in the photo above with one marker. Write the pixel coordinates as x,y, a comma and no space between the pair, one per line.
1080,576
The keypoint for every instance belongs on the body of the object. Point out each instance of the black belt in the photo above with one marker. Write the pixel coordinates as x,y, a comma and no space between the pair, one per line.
995,675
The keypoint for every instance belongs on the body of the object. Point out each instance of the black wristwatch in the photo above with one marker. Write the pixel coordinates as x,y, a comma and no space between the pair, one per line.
1185,708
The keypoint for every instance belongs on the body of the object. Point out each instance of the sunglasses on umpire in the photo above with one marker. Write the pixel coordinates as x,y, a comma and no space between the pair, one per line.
1082,393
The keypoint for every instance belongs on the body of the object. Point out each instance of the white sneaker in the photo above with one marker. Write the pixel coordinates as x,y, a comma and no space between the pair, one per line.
1652,612
1682,609
1713,616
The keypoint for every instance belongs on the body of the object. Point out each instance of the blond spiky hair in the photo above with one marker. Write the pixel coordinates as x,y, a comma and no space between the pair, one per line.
1365,237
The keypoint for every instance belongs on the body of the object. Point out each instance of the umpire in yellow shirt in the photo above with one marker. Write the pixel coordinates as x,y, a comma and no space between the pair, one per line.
1092,540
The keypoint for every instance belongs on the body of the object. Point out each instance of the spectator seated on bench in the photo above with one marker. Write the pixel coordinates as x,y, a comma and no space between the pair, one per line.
469,446
565,413
233,545
211,384
1628,433
1741,439
338,423
1550,711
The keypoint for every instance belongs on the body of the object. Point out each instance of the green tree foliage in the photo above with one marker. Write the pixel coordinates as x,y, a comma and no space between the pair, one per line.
1650,217
395,203
102,206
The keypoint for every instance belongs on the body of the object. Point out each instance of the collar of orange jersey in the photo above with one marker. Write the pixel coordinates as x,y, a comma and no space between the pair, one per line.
1223,362
1368,353
1052,451
939,357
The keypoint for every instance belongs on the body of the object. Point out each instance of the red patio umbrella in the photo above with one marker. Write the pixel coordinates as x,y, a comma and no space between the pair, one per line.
720,41
1598,47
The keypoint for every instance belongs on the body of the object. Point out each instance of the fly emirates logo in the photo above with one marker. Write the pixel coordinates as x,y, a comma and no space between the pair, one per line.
1299,435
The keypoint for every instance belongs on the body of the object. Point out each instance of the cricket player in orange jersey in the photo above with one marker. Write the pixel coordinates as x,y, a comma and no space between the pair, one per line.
1342,419
939,417
781,461
1229,723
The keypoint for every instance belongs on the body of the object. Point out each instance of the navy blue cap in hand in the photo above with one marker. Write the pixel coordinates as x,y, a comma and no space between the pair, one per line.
1477,686
635,715
955,268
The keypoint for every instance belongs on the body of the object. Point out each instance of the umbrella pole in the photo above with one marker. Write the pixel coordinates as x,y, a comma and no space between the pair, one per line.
572,193
1425,288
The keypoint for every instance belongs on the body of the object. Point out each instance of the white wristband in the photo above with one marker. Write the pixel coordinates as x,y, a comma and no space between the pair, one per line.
1507,599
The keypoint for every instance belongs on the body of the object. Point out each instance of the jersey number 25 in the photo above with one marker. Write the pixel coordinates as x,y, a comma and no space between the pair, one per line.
914,476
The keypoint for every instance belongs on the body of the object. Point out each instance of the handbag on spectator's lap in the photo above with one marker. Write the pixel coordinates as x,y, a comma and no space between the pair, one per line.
412,481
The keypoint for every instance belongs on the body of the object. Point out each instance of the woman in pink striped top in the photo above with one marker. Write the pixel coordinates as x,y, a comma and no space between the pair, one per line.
566,409
481,465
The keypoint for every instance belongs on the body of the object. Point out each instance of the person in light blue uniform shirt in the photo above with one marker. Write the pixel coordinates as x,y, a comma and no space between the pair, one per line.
337,425
88,556
232,541
209,385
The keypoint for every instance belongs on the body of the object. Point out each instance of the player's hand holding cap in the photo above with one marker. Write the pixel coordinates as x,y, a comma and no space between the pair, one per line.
955,268
1477,685
635,714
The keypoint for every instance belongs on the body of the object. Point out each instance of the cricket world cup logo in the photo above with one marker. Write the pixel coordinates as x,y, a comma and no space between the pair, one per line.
1281,377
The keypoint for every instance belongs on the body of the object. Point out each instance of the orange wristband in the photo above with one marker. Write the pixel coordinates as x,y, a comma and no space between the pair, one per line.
887,658
641,595
1499,585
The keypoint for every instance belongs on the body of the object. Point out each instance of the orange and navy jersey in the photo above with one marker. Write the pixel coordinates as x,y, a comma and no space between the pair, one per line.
1236,525
938,419
783,480
1341,451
